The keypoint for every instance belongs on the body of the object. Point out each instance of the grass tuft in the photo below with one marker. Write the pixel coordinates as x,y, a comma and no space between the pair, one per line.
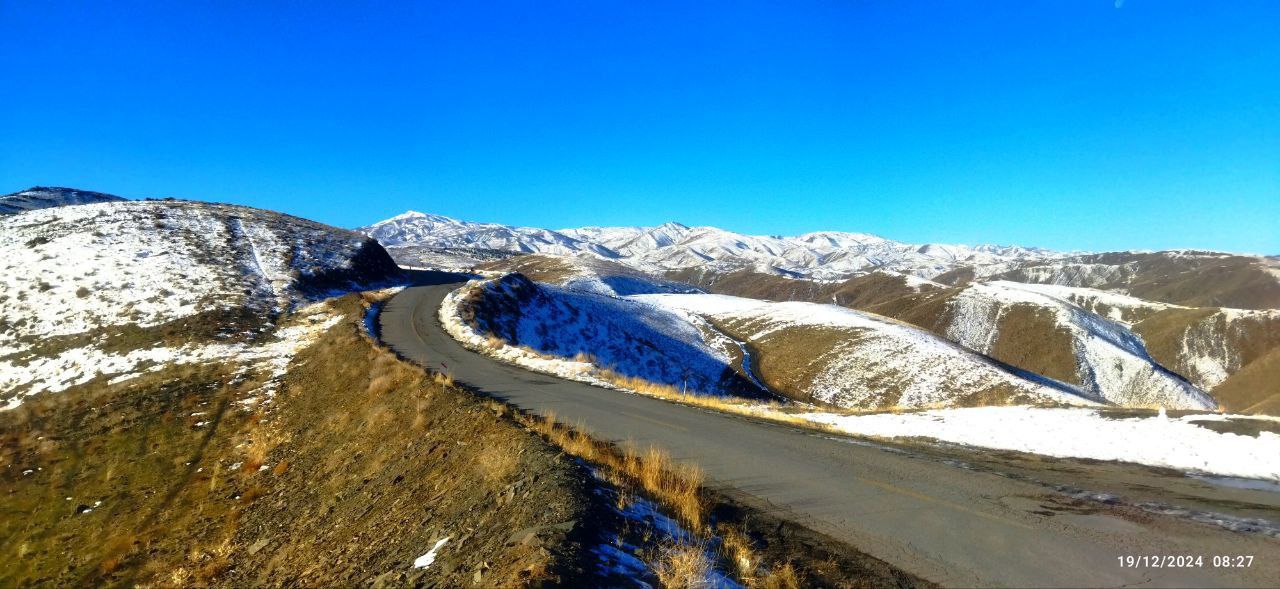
783,576
683,565
736,548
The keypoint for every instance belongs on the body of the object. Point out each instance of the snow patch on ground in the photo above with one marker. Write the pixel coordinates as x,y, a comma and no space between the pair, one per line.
425,560
270,356
620,558
1176,443
914,282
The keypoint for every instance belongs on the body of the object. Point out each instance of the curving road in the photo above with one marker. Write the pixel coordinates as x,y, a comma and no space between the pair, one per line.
956,526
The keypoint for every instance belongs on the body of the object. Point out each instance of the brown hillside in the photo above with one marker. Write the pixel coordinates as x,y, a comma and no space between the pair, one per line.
1031,339
1162,333
750,284
1255,388
869,290
358,468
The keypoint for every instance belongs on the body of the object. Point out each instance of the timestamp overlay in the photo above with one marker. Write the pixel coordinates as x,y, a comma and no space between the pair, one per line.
1185,561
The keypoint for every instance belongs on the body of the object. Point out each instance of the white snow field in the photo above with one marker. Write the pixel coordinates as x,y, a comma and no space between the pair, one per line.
75,278
1176,443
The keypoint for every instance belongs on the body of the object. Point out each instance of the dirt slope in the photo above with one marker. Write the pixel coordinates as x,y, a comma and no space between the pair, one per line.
360,467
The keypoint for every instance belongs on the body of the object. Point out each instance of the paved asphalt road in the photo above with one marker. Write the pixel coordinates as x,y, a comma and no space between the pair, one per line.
955,526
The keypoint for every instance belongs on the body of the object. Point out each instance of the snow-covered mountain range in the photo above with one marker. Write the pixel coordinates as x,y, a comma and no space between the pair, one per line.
672,246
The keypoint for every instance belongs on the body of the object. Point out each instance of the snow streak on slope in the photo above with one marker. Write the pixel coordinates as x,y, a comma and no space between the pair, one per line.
1111,361
1117,307
101,288
860,360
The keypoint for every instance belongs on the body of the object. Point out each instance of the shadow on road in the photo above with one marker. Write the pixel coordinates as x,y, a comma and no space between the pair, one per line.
434,277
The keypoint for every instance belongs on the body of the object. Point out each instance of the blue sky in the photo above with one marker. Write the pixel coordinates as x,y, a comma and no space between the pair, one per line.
1071,125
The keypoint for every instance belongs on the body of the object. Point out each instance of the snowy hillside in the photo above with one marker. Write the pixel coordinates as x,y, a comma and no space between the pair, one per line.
858,360
672,246
42,197
1109,359
1180,277
627,339
1055,331
1117,345
1208,346
107,287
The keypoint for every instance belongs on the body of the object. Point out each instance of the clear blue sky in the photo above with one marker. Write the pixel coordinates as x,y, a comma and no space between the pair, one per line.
1064,124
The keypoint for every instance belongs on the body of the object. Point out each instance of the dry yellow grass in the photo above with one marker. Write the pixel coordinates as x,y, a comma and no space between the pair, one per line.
676,485
736,547
682,566
261,441
442,378
772,411
497,463
783,576
494,342
369,297
381,384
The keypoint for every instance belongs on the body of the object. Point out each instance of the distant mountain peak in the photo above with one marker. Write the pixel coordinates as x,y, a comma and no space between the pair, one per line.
43,197
410,214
